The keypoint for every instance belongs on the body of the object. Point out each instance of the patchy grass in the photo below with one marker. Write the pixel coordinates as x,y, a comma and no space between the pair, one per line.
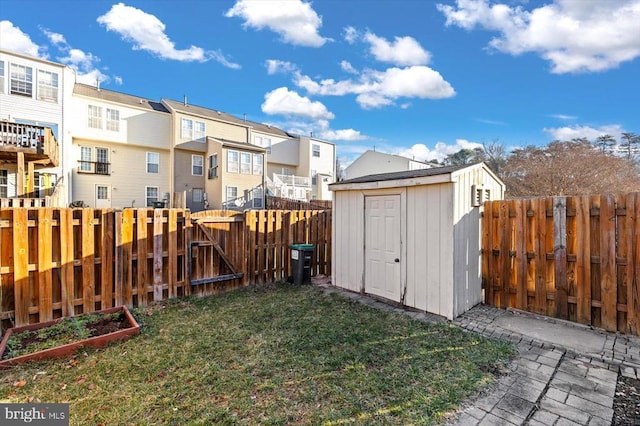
281,355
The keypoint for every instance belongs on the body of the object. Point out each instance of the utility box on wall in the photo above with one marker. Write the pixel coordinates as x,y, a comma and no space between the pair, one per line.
413,237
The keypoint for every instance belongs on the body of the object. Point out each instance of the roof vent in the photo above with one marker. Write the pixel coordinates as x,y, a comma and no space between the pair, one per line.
184,101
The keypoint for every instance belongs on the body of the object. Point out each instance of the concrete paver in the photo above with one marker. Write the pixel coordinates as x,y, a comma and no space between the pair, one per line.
564,374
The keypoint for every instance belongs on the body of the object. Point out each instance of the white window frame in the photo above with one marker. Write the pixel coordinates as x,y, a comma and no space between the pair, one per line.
21,80
147,198
101,161
186,129
199,134
197,161
149,162
4,183
197,195
233,165
86,162
2,74
112,117
257,198
315,150
94,114
245,166
48,87
234,190
258,164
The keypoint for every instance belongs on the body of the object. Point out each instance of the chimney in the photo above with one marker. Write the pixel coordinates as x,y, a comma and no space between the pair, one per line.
98,84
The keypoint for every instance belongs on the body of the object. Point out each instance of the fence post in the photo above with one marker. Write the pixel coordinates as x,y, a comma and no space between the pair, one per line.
560,255
118,264
157,255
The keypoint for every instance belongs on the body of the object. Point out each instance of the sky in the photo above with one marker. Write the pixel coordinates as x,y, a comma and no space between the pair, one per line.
416,78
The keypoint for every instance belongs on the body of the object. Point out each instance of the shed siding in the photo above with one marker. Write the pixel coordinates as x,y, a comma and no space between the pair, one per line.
348,256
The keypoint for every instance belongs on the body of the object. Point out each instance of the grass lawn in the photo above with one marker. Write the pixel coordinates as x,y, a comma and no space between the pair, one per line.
276,355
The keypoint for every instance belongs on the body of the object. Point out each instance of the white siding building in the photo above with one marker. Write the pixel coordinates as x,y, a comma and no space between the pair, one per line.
34,91
374,162
121,149
413,237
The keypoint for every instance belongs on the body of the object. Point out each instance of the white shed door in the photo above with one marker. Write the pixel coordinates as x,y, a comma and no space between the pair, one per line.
382,246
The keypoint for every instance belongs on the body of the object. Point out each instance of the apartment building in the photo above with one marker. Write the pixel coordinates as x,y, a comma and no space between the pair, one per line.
33,134
121,149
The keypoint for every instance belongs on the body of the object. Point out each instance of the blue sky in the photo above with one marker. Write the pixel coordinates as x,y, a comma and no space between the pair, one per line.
410,77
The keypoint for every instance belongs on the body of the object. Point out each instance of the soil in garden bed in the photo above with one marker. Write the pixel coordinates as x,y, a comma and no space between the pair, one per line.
68,330
626,405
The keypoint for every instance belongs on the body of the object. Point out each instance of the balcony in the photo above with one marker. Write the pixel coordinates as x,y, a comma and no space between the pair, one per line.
291,186
37,143
94,167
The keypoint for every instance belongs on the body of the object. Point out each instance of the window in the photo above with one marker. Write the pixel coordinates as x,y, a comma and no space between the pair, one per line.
314,175
245,163
197,165
95,117
21,80
187,129
153,162
232,193
199,133
4,183
47,86
113,120
257,164
257,198
151,195
213,166
1,77
196,195
102,192
316,150
264,142
87,164
232,161
85,159
102,161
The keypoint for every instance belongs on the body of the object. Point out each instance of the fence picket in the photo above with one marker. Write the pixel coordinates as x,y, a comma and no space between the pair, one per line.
45,273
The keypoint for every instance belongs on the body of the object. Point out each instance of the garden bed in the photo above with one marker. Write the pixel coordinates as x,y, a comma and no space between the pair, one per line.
64,336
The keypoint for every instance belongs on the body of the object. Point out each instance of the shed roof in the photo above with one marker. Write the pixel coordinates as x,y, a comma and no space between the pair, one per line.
410,177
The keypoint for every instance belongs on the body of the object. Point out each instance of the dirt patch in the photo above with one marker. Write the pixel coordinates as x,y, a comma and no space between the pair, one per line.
626,403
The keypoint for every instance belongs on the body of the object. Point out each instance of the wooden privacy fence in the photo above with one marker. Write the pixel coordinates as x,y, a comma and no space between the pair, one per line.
60,262
574,258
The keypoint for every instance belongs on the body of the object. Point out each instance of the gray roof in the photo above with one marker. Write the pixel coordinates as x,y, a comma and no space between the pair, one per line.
122,98
405,174
223,116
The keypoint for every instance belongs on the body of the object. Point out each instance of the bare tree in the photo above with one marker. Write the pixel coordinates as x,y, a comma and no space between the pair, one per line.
567,168
630,140
605,142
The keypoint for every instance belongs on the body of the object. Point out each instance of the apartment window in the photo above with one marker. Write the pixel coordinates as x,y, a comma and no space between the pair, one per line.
257,198
94,160
153,162
47,86
245,163
232,161
21,80
187,129
196,195
4,183
95,117
151,195
213,166
197,165
316,150
199,133
314,175
264,142
113,120
1,77
257,164
232,193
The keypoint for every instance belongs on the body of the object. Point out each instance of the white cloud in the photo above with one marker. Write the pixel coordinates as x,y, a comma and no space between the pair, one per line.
295,21
12,38
275,66
575,36
342,135
347,67
379,88
422,152
146,32
54,38
568,133
350,35
492,122
402,51
286,102
563,117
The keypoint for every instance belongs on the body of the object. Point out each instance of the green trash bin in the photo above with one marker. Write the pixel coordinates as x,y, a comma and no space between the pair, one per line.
301,255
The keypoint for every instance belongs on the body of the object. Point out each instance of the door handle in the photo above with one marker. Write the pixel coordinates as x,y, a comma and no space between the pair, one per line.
397,260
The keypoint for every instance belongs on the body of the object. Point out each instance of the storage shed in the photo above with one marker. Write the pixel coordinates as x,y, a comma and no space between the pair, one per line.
413,237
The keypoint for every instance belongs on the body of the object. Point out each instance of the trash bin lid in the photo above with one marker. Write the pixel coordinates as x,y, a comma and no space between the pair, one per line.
301,246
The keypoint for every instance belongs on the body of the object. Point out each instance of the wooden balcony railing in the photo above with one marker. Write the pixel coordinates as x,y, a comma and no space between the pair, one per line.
37,143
